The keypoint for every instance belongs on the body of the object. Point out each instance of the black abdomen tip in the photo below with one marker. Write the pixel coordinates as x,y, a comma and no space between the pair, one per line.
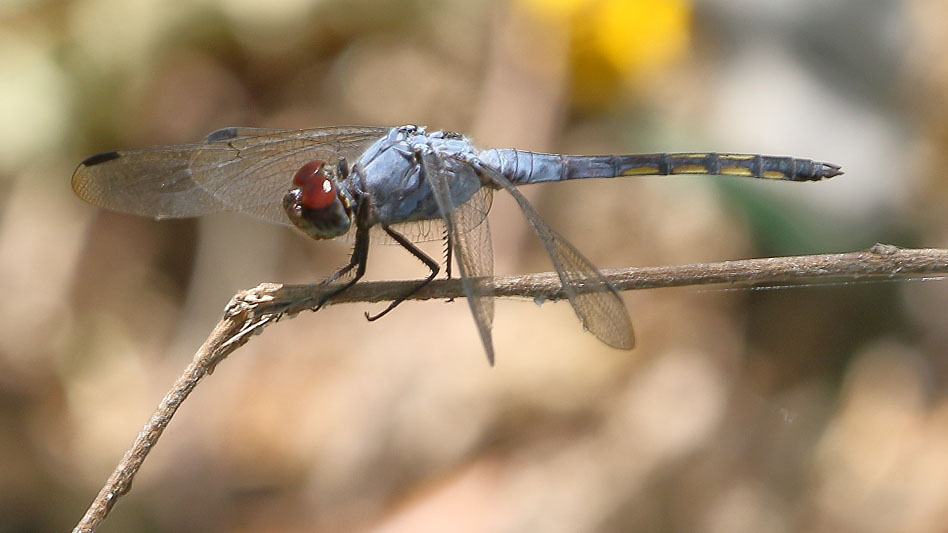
828,170
809,170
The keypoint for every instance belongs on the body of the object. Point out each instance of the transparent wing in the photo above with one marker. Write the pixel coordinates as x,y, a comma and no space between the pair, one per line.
247,170
594,299
154,182
472,248
251,173
431,230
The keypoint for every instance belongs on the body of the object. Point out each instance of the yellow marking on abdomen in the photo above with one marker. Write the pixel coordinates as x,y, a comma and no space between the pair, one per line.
737,171
689,169
648,170
774,175
738,157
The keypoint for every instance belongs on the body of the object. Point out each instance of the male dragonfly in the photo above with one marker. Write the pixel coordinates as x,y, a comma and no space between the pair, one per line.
400,185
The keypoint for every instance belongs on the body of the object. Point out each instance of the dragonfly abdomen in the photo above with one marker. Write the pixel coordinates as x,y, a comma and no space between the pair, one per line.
745,165
529,167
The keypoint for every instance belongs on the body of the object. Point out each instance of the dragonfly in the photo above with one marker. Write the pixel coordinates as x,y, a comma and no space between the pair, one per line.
397,185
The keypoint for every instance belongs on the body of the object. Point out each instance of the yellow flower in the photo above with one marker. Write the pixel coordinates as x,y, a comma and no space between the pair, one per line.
615,43
638,35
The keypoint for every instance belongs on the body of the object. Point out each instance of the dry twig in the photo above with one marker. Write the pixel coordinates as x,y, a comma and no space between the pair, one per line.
252,310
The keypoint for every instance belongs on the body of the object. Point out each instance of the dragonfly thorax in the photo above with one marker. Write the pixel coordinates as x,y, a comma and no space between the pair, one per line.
316,204
393,171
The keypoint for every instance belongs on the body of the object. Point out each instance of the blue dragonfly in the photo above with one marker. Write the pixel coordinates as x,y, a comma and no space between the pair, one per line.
397,185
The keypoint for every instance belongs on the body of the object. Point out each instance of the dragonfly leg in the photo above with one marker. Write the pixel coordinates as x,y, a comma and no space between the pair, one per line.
448,251
447,255
415,251
360,255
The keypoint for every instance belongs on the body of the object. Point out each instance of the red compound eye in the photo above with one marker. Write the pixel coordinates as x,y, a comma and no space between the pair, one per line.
316,189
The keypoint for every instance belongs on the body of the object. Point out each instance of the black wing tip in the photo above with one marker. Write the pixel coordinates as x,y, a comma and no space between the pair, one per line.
223,134
98,159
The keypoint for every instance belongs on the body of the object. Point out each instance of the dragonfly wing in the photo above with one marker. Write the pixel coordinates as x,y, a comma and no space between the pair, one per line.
154,182
472,248
432,229
594,299
250,169
247,170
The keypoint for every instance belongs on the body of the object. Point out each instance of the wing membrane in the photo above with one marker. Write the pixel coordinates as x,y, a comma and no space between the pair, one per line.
154,182
472,249
594,299
238,169
432,230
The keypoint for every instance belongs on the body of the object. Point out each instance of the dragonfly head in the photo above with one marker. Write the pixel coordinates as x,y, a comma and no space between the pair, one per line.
315,204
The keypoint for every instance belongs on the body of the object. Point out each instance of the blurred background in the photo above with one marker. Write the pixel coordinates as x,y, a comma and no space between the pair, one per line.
818,408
